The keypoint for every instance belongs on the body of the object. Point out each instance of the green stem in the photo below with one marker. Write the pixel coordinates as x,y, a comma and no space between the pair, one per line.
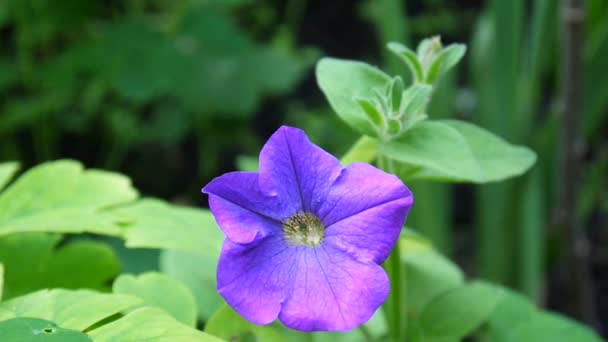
395,305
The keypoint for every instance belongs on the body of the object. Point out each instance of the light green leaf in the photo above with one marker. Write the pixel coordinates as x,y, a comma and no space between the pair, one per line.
344,81
38,330
410,58
161,291
149,324
34,262
429,273
445,60
453,150
550,327
458,312
229,325
69,309
62,197
376,328
159,225
364,150
197,272
7,170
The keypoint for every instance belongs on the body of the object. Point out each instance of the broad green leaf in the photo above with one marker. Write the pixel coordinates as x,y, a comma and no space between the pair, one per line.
410,58
197,272
7,170
458,312
229,325
38,330
429,273
344,81
452,150
161,291
550,327
512,311
445,60
159,225
62,197
70,309
364,150
149,324
34,262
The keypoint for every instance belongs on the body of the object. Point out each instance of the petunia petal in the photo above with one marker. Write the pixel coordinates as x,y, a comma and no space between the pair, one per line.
365,211
297,170
242,211
254,279
331,291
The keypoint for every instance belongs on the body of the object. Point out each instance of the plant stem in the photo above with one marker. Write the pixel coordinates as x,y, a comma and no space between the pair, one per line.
576,279
395,306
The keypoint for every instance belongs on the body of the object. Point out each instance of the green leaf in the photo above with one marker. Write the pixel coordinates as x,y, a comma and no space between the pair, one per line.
38,330
342,82
61,197
34,262
458,312
512,311
7,170
149,324
452,150
159,225
373,114
69,309
364,150
161,291
197,272
429,273
410,58
229,325
550,327
444,61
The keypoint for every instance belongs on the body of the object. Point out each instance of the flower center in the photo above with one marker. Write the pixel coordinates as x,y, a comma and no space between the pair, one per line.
304,229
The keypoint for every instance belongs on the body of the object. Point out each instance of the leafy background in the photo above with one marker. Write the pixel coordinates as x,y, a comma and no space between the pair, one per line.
173,93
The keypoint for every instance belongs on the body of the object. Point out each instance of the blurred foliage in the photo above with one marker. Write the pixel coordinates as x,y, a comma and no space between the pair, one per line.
136,75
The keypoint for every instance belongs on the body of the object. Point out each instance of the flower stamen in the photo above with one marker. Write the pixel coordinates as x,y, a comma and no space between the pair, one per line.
304,229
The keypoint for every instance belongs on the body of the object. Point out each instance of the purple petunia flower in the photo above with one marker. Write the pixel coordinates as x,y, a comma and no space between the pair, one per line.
305,236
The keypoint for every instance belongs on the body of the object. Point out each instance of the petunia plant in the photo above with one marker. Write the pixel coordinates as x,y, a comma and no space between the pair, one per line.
303,246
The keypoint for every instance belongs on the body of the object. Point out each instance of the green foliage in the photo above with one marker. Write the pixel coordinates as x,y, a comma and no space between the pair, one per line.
455,313
343,82
95,314
162,291
77,310
147,324
428,272
7,170
516,319
197,272
227,324
457,151
34,261
363,151
62,197
1,280
159,225
38,330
